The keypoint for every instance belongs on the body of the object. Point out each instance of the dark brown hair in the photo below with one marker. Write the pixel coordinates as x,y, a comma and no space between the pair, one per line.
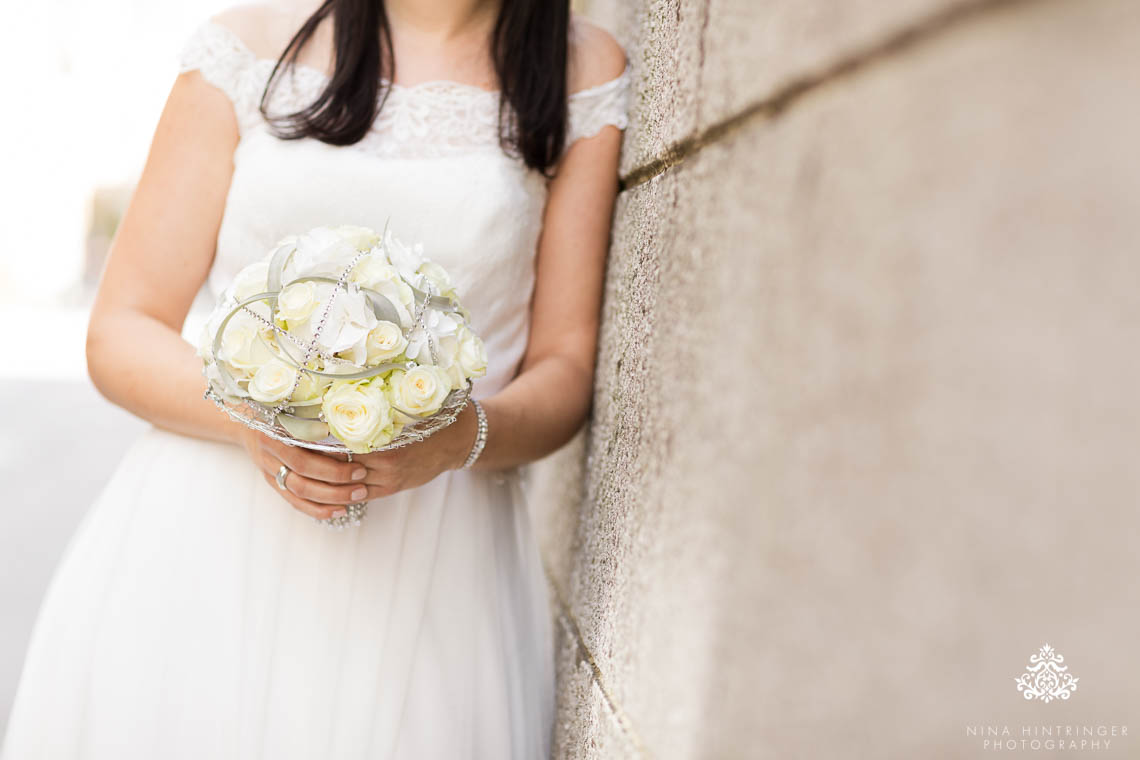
528,45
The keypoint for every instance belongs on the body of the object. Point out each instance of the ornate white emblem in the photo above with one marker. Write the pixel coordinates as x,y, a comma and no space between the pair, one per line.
1046,678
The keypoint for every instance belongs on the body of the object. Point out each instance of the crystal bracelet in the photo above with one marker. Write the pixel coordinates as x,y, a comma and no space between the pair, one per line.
480,436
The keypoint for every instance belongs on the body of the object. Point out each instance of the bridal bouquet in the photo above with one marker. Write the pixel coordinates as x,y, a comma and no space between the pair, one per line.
340,339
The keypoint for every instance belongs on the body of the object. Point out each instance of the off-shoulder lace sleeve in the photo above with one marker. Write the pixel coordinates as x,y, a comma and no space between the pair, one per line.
595,107
226,62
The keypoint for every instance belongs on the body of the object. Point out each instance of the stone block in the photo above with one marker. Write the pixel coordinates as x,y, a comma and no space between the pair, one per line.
865,423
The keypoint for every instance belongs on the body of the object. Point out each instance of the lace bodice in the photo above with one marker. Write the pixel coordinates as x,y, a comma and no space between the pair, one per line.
436,117
430,166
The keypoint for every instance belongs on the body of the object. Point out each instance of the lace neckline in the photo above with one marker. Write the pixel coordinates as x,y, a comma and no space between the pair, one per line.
449,86
432,118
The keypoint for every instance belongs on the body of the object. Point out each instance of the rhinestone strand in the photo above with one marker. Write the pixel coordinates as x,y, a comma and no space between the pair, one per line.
353,516
277,329
421,323
340,283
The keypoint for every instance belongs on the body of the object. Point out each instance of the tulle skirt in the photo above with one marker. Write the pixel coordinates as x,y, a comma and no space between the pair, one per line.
195,614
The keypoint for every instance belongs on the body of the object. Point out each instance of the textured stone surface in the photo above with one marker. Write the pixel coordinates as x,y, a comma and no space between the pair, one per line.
697,62
555,490
750,49
586,725
662,43
865,423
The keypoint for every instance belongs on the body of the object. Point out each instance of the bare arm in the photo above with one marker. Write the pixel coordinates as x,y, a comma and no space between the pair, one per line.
549,400
159,259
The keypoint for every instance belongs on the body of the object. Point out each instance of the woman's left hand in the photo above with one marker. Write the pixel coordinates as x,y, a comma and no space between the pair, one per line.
409,466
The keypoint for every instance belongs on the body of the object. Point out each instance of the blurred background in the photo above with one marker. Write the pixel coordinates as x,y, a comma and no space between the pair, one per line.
84,85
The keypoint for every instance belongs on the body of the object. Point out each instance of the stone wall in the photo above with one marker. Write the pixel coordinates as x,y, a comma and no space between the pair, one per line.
866,427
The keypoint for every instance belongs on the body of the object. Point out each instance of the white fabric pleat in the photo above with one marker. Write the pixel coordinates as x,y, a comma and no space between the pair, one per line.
195,614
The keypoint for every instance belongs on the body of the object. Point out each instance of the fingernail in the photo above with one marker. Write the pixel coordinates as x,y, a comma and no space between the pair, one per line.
339,513
359,473
359,493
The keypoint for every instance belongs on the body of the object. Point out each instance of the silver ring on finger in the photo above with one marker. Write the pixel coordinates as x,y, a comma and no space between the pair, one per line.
282,472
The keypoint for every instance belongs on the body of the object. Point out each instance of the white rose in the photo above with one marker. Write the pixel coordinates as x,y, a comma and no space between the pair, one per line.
372,270
210,372
374,273
272,382
421,390
258,307
400,296
360,238
358,414
447,353
206,340
340,368
297,301
287,242
472,354
251,280
310,386
436,275
455,375
385,341
242,345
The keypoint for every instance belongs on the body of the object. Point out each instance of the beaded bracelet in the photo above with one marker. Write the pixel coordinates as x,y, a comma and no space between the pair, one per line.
480,436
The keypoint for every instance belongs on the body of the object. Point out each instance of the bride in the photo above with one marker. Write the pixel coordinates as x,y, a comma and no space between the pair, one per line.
200,610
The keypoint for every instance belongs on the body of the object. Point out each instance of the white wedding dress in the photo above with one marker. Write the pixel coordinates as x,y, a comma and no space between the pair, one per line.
197,615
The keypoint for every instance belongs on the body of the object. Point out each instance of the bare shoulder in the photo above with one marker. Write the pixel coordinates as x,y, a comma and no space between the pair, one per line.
595,57
264,28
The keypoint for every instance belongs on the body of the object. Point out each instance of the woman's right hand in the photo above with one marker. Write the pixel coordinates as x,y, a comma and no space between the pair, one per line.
317,484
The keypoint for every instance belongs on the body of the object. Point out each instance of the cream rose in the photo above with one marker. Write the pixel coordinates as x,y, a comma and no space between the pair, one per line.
272,382
376,274
436,275
420,390
297,301
399,294
447,355
251,280
242,346
358,414
472,354
385,341
310,386
360,238
455,375
372,270
206,341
